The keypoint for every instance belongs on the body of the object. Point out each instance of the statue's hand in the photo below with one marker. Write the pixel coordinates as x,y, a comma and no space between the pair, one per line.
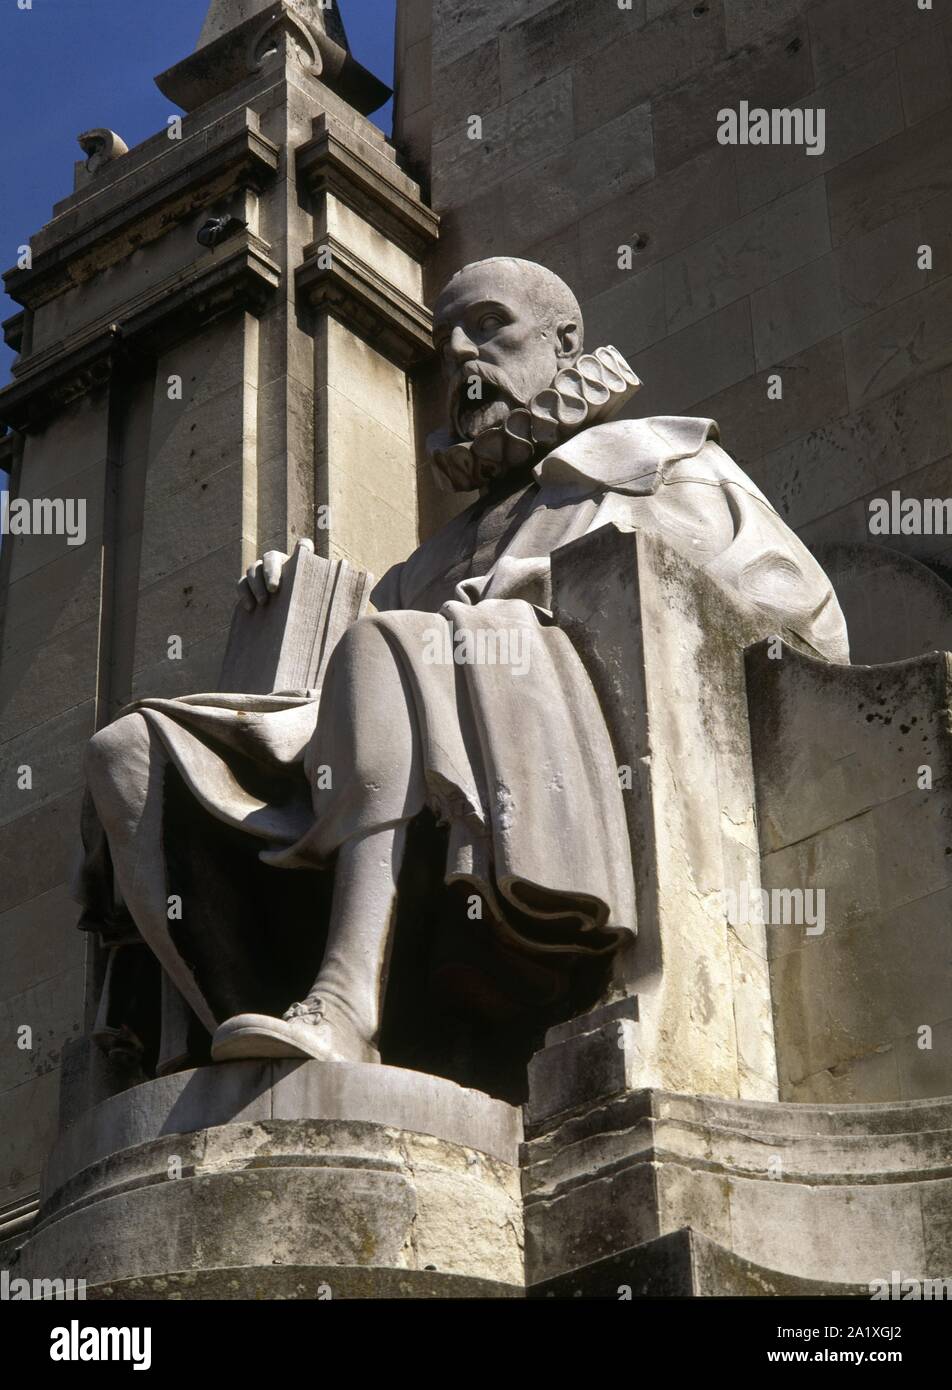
264,576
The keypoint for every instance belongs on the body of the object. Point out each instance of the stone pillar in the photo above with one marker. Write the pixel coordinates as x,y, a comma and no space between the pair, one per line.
664,646
361,276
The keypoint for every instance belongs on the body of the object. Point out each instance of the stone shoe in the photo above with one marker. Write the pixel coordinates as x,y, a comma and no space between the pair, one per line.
305,1031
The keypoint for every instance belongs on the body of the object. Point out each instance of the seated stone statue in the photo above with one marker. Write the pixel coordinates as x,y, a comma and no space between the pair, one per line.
459,698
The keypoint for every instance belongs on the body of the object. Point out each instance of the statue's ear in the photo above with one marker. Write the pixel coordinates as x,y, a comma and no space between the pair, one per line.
569,335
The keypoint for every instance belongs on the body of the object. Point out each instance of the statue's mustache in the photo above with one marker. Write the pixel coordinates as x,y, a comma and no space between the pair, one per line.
489,375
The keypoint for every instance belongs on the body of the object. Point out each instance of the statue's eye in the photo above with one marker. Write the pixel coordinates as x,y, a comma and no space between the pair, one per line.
489,323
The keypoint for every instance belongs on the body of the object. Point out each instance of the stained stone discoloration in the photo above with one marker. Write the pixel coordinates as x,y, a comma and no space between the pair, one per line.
839,758
258,1190
784,1197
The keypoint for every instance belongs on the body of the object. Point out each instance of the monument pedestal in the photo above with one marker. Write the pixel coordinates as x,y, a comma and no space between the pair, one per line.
317,1180
286,1180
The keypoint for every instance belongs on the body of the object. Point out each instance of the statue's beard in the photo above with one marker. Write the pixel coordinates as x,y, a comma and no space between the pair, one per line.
497,400
499,432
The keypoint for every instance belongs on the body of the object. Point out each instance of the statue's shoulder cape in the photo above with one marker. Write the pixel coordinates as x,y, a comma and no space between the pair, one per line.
629,455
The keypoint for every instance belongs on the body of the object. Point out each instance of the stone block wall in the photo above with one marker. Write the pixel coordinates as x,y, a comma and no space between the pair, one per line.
599,130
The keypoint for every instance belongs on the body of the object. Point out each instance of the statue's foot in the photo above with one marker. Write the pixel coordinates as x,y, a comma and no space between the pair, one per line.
304,1031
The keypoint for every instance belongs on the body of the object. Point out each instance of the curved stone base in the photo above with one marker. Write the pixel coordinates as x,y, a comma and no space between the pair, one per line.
301,1283
312,1180
264,1178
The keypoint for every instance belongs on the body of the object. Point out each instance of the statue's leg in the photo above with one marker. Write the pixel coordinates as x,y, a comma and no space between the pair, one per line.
366,737
125,772
353,976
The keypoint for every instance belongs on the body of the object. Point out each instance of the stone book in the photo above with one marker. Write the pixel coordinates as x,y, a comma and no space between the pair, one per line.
285,644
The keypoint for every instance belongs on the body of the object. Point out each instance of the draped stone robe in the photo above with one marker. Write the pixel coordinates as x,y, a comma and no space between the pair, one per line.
514,758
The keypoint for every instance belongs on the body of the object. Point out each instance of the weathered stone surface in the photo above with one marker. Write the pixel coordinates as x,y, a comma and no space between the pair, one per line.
28,1118
748,21
632,316
685,119
839,754
831,466
417,89
567,1074
847,33
924,75
894,606
701,360
814,392
42,680
560,35
49,754
49,601
683,967
462,25
597,168
52,1010
836,290
198,670
645,61
50,832
225,15
746,255
792,1197
36,937
862,110
84,490
310,1282
671,212
202,518
458,83
900,343
684,1264
193,603
887,181
515,135
320,1189
245,1092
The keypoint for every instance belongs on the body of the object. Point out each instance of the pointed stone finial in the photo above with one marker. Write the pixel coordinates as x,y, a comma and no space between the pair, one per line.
240,38
225,15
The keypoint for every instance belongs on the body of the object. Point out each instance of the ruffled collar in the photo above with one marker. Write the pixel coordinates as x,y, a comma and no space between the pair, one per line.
592,391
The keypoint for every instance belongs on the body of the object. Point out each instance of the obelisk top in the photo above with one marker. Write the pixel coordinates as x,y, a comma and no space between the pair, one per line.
225,15
241,37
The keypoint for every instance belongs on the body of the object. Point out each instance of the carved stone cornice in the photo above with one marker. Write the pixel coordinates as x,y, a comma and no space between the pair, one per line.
338,162
140,205
240,275
399,327
13,331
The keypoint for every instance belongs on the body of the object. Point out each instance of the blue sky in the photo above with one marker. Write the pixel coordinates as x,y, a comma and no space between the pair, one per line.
74,64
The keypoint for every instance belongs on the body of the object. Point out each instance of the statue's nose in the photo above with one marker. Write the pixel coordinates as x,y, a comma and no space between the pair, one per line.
460,348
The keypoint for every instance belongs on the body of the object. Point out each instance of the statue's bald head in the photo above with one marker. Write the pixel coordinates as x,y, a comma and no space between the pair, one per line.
511,325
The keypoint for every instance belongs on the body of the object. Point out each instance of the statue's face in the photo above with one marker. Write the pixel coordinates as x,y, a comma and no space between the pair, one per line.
497,348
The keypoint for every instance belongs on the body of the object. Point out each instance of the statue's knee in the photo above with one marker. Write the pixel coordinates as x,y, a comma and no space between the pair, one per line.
362,644
114,748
